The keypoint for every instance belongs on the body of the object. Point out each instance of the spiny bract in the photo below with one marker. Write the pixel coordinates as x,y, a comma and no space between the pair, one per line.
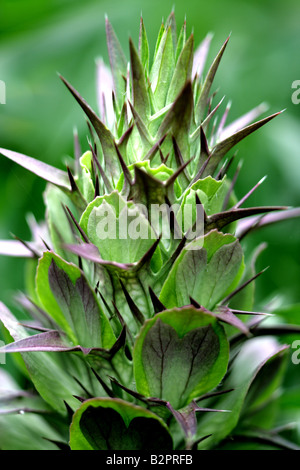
142,331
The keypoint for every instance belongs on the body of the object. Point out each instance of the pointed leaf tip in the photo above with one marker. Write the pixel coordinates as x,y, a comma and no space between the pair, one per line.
43,170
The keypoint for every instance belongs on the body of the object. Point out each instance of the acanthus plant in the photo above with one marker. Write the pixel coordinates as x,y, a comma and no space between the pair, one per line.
145,344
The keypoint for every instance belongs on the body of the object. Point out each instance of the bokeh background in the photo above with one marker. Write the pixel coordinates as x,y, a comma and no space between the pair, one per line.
40,38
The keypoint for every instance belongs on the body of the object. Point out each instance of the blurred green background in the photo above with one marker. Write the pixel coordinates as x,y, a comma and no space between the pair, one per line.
40,38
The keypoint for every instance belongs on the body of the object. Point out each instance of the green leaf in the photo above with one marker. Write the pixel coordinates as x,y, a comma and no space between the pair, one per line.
27,432
144,133
136,276
181,41
52,376
257,440
183,343
118,62
178,118
140,93
250,360
144,47
159,47
88,188
150,186
66,295
211,194
118,228
165,72
58,224
205,270
268,440
106,424
183,70
171,22
161,173
265,384
20,431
